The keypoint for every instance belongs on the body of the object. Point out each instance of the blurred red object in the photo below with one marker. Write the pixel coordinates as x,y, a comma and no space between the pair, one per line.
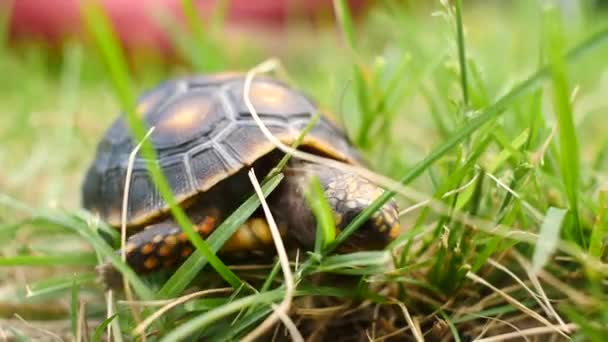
136,24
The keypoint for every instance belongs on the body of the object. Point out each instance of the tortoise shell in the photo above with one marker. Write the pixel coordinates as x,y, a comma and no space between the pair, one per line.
203,134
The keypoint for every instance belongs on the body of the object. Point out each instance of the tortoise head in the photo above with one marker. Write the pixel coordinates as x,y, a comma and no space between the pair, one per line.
348,195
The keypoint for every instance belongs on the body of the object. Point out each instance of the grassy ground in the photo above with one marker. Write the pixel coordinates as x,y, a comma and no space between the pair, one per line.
495,127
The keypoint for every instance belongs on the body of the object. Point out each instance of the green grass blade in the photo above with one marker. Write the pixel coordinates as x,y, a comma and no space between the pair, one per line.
548,238
287,157
74,309
242,325
102,327
509,150
189,269
218,16
53,286
198,323
568,142
65,259
326,228
462,59
106,250
450,323
345,21
99,26
600,227
203,54
355,260
527,86
81,228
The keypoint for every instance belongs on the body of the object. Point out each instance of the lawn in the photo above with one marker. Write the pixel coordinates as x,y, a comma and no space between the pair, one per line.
486,122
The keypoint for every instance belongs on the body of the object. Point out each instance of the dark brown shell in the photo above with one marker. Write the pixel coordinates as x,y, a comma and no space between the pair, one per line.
203,134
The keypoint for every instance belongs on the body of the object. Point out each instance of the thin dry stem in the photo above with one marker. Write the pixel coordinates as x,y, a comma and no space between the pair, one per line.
538,157
82,333
123,224
515,302
280,311
492,321
109,312
415,327
544,304
573,295
44,331
141,328
530,332
446,195
541,291
537,215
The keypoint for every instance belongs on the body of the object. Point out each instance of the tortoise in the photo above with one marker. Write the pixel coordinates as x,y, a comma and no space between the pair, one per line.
206,141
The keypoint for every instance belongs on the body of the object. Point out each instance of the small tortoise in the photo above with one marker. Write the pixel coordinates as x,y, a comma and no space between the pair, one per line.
206,141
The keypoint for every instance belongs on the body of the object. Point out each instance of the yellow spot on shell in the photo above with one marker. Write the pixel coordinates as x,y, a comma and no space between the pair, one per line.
225,75
395,230
157,238
269,94
186,117
151,263
130,248
147,249
171,240
164,250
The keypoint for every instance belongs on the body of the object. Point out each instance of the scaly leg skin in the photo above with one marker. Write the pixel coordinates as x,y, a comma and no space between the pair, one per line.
164,245
347,194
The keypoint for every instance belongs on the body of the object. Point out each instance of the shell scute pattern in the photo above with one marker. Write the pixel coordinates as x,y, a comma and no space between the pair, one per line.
204,133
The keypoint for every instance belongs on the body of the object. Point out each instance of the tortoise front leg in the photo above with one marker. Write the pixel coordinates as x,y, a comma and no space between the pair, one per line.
158,246
165,245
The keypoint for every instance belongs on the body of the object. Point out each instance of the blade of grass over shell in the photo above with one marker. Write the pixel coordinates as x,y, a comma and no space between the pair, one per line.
462,59
184,275
569,159
496,110
283,162
326,228
100,28
190,268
